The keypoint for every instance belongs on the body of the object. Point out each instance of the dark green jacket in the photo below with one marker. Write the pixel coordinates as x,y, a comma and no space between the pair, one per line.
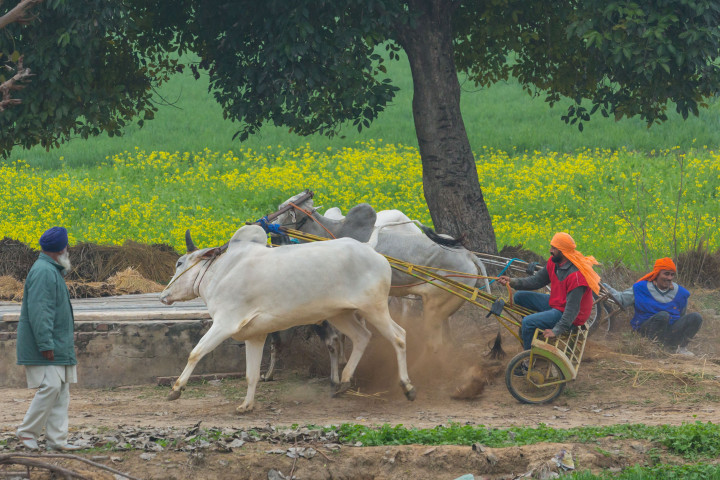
46,317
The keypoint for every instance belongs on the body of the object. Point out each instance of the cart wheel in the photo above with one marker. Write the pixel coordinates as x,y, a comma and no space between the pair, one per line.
543,371
593,321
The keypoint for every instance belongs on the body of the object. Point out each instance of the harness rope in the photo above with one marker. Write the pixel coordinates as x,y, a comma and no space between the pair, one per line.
218,251
427,275
471,294
310,216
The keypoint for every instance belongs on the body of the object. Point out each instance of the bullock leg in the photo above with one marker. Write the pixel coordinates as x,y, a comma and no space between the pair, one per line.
274,341
253,358
212,338
334,344
395,334
360,337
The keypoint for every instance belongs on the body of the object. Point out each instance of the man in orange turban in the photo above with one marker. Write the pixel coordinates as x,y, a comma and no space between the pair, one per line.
660,307
572,280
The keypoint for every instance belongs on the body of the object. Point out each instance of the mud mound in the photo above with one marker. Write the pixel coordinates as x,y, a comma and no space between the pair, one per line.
127,282
16,258
10,288
517,251
618,275
699,267
130,281
95,263
90,289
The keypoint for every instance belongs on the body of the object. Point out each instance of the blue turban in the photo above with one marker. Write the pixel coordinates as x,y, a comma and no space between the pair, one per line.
54,239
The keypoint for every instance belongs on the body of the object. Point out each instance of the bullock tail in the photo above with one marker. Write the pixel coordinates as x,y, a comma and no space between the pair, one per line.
444,240
497,352
483,271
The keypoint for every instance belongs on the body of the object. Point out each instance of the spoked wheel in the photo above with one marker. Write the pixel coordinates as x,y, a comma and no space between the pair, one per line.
528,387
593,321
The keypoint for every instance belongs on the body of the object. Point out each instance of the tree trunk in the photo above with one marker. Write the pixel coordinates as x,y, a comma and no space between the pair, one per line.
450,180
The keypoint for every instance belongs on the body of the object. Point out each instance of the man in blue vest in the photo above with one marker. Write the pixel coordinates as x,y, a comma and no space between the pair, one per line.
660,307
46,344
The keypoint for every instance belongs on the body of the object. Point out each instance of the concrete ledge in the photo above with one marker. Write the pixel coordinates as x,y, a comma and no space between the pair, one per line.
134,352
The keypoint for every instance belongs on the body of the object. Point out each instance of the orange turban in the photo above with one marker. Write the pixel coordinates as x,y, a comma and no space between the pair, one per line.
660,264
565,243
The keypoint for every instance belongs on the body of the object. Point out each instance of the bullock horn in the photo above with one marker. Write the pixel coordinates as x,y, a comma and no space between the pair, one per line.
189,243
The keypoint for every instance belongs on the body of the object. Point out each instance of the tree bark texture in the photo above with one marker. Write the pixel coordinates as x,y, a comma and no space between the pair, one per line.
450,181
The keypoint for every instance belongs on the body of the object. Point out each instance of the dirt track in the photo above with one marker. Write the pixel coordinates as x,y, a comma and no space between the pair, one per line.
612,388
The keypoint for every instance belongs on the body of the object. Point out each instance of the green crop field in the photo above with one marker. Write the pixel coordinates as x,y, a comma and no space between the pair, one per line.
625,192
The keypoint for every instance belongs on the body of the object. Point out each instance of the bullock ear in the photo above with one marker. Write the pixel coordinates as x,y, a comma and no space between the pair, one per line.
189,243
212,252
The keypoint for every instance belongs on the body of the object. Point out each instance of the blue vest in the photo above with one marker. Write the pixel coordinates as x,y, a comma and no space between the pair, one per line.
646,306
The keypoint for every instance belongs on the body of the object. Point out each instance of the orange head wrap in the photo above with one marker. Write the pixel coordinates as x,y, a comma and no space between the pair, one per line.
660,264
565,243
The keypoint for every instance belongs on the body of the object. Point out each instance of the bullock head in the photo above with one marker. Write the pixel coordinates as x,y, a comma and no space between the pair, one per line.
190,270
292,216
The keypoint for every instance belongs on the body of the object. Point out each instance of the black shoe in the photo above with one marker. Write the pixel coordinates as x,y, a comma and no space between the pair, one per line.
521,370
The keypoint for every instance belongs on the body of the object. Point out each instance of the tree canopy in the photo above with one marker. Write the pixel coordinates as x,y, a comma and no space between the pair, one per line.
313,65
89,76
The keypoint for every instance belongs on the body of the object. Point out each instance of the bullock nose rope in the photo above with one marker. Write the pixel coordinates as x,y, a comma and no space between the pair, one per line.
183,273
215,255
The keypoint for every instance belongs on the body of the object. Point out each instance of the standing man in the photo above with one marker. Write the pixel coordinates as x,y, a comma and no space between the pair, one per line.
572,280
45,344
660,307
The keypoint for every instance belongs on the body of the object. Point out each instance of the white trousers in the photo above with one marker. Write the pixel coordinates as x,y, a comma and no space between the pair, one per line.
49,407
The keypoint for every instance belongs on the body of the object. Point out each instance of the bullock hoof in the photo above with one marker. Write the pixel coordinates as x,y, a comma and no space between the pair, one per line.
244,408
342,388
410,394
267,378
174,395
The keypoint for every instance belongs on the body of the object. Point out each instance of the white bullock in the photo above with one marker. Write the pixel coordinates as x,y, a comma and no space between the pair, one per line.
251,290
394,219
396,235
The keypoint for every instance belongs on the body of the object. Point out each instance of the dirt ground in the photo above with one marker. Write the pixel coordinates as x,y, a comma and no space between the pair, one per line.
622,380
612,388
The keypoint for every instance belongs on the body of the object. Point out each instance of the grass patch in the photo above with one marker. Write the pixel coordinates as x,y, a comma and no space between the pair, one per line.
502,117
154,196
699,471
691,440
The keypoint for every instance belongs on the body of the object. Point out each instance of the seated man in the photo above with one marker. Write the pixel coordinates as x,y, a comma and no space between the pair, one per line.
572,280
660,306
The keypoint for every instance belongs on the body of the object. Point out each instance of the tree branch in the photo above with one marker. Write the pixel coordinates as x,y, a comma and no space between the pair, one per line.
23,75
18,14
30,459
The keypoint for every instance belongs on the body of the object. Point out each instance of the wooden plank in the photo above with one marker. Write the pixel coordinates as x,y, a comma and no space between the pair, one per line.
167,381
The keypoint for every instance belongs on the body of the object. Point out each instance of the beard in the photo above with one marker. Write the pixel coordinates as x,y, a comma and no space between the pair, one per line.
557,258
64,261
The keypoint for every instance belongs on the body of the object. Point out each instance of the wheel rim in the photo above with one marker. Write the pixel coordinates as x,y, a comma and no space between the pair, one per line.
529,388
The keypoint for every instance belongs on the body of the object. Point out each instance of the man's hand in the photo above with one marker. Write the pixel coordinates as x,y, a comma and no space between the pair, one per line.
503,280
49,355
547,333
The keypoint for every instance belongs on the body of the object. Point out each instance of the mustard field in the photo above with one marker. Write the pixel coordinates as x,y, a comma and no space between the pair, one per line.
616,204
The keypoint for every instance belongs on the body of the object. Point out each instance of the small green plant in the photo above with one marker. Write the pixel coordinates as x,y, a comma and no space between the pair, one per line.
693,440
570,393
689,440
